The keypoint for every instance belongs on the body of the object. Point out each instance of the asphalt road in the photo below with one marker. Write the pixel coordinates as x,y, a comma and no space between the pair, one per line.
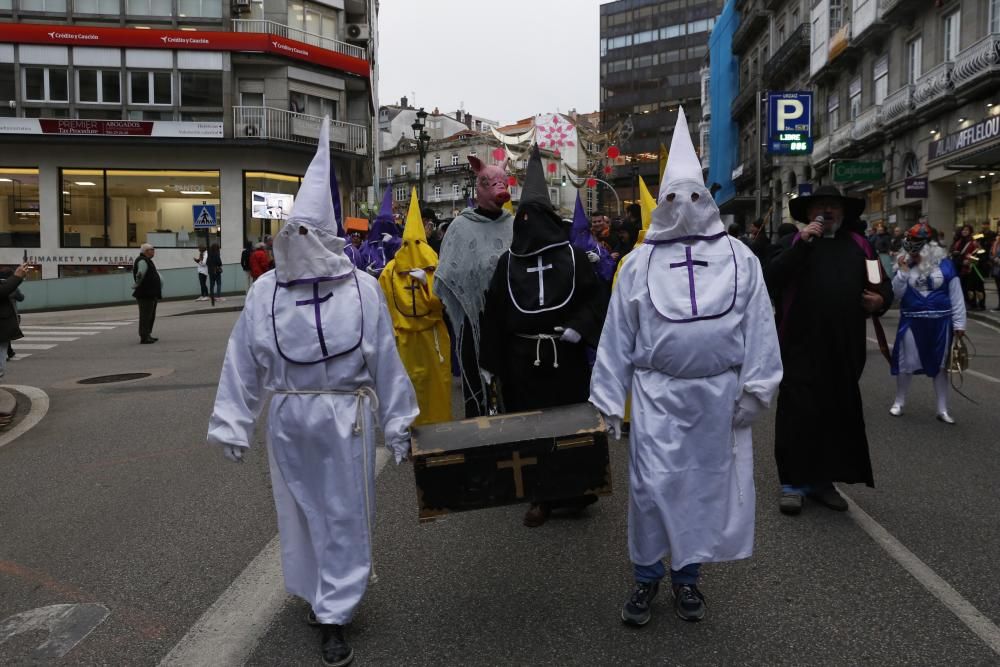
114,499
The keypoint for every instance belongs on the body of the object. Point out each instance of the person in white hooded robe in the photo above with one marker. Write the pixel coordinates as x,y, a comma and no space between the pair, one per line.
316,334
690,332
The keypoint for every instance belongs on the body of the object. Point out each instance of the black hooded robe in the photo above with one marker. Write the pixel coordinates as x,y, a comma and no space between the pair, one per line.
820,426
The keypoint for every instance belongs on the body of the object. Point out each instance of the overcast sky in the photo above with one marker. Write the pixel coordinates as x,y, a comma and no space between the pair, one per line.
503,60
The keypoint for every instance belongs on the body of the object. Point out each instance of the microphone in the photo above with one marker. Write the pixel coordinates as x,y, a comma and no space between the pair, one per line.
820,220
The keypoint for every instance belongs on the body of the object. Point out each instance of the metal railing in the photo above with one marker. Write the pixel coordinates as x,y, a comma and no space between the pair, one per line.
867,124
933,86
299,128
977,61
797,44
281,30
749,28
898,106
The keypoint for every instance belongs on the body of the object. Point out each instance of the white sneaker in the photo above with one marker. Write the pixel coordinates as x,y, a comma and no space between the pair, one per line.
896,410
219,298
202,298
946,418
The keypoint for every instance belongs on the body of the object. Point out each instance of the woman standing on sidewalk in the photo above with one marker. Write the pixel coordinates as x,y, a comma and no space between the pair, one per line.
214,268
9,329
202,274
995,266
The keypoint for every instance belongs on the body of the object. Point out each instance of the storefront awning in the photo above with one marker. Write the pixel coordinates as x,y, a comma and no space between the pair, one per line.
987,158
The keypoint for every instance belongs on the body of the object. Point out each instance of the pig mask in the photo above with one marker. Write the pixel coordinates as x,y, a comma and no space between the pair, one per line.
491,184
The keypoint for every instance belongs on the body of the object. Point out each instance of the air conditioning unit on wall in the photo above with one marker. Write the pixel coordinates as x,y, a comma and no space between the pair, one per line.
359,32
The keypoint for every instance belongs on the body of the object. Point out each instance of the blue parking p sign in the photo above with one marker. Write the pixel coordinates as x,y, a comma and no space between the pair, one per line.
789,123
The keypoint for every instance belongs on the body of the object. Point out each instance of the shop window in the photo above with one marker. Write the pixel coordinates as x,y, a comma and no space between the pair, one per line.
96,7
201,89
98,86
19,209
126,208
211,9
45,84
135,114
264,193
150,88
149,7
78,270
43,6
46,112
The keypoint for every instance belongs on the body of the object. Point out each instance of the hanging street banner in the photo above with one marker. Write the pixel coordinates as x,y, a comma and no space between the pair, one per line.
853,170
789,123
112,128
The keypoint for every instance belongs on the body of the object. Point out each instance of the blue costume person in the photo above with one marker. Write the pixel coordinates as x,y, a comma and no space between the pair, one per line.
932,308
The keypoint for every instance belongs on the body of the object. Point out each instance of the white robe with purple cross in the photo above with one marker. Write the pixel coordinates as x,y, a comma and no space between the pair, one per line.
313,345
690,332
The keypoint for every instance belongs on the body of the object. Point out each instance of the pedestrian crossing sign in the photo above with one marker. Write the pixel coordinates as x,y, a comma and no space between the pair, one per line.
204,216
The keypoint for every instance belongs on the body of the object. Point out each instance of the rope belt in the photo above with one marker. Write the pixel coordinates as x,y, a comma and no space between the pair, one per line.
437,345
365,395
538,338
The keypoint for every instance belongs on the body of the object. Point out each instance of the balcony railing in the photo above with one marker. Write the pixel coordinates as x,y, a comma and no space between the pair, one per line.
867,124
745,99
281,30
791,52
751,25
821,150
869,20
898,106
977,62
933,86
281,125
841,138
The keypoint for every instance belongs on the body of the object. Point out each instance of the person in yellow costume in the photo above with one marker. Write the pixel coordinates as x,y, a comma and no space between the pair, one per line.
418,319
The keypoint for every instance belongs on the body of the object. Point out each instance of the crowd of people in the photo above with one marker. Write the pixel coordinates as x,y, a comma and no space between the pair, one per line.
664,321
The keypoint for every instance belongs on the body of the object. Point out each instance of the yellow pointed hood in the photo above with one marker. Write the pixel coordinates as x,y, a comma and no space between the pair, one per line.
415,253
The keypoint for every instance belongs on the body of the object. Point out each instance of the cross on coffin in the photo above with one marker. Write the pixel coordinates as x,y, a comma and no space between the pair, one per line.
315,302
516,464
690,263
540,270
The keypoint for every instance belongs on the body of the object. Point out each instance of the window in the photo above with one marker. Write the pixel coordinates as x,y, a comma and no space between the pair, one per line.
150,88
854,97
673,31
148,7
880,75
836,15
437,161
400,194
201,89
604,47
456,191
98,86
833,111
312,105
316,21
994,16
952,33
257,188
45,84
19,213
437,191
124,209
402,169
781,33
454,159
199,8
914,56
7,89
44,6
388,172
619,42
96,7
5,5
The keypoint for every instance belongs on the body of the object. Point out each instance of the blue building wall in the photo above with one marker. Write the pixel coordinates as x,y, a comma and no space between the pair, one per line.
723,87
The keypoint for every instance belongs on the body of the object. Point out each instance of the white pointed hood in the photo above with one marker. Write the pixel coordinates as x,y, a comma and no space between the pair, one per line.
308,247
684,207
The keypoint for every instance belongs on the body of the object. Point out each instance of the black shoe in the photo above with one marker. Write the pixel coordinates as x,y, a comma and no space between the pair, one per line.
311,619
334,648
790,503
635,611
689,603
537,515
827,496
153,339
147,341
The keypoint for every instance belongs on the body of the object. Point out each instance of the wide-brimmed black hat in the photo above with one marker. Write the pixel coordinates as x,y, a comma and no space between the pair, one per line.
853,207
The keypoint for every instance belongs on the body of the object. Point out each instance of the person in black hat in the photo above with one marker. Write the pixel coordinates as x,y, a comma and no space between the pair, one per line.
824,295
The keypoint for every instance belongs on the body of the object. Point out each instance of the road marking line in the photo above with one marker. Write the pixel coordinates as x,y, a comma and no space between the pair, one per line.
19,356
968,371
68,326
58,332
983,324
24,346
230,629
974,619
39,406
30,338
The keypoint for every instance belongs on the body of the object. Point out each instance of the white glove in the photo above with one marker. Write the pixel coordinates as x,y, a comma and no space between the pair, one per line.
569,335
746,410
386,238
372,270
401,451
614,426
419,275
486,375
593,257
233,452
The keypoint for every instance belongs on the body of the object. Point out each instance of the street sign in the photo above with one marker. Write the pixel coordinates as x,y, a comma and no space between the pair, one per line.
204,216
805,189
853,170
789,123
915,187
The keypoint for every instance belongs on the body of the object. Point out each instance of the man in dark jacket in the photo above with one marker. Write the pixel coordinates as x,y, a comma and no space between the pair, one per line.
148,289
9,329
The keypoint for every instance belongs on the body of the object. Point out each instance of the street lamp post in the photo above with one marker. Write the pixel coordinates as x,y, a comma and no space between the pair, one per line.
618,200
422,139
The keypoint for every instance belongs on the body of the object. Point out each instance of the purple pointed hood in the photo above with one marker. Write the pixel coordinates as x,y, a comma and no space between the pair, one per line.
384,223
579,234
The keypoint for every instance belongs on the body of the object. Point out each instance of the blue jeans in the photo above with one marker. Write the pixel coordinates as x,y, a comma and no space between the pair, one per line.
648,573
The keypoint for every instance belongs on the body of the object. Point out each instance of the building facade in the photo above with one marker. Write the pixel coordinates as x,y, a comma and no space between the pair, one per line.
905,112
173,122
651,58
